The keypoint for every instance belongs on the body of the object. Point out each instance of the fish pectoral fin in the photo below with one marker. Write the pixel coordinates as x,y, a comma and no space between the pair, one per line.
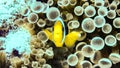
49,34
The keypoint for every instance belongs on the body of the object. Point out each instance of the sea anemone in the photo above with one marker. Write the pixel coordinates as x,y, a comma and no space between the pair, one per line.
59,34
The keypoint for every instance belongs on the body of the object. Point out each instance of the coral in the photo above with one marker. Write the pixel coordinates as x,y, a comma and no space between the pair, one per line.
17,39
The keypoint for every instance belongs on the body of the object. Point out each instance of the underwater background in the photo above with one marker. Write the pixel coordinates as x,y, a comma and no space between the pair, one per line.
59,33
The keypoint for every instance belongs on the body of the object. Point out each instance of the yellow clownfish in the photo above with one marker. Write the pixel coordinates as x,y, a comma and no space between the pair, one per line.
58,35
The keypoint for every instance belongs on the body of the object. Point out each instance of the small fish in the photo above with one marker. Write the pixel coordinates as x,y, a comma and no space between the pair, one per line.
59,33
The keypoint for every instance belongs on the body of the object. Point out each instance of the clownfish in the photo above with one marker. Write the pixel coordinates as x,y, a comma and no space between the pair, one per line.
59,37
59,33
